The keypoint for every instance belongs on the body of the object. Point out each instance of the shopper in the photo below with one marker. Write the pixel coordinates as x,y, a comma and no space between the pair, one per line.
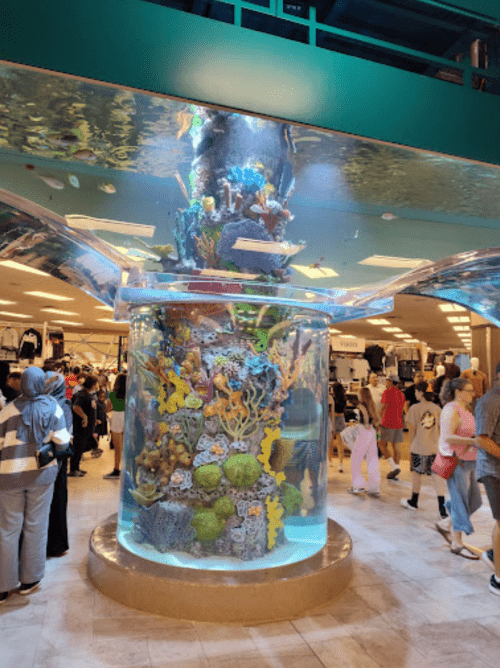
102,427
12,386
338,422
423,425
116,403
376,390
83,424
410,396
365,445
57,542
26,490
457,437
488,468
391,417
71,380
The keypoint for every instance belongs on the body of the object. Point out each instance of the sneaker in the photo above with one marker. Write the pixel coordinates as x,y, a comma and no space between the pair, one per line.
28,588
406,504
494,586
76,474
393,474
3,597
356,490
487,557
375,494
112,476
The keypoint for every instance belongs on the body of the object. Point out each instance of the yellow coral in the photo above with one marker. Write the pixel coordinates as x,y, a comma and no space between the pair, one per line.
176,399
274,512
271,436
162,400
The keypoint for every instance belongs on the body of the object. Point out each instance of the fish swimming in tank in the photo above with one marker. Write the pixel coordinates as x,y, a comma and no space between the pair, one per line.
53,183
63,139
388,216
108,188
84,154
74,181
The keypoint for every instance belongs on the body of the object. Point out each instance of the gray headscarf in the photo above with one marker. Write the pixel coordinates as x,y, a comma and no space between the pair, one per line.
55,386
36,408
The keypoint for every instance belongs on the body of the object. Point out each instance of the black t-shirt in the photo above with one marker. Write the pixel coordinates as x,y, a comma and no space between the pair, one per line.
340,405
410,395
87,403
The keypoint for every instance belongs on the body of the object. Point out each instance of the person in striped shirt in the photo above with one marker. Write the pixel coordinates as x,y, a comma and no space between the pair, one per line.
26,490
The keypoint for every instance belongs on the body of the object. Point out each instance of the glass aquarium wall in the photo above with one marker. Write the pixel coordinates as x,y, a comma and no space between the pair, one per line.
226,435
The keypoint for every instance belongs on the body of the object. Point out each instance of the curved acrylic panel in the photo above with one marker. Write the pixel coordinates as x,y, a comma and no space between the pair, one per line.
226,435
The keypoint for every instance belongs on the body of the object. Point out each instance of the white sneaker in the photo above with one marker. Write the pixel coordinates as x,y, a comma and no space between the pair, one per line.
406,504
356,490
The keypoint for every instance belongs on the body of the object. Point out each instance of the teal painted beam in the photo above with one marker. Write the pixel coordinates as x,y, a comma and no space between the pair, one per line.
146,46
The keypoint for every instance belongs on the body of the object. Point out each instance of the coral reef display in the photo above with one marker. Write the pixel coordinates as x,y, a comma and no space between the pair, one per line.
208,479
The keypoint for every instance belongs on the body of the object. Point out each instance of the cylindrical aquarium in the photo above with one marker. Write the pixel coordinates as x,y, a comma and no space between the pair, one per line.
225,462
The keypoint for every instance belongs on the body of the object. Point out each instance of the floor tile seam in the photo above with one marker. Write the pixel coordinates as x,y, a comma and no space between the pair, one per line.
361,650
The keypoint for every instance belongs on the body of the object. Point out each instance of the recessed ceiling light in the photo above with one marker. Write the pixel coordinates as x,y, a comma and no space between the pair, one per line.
105,308
15,315
22,267
315,272
393,262
451,307
5,302
58,311
108,320
461,328
68,322
392,329
403,336
378,321
49,295
458,318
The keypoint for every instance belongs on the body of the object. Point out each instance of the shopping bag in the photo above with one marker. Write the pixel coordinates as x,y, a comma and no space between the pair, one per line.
349,435
444,466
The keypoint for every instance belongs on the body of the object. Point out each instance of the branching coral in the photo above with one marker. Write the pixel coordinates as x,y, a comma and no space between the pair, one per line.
242,421
290,369
207,250
191,425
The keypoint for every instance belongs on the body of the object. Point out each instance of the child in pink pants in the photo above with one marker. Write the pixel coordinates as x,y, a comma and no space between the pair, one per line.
365,445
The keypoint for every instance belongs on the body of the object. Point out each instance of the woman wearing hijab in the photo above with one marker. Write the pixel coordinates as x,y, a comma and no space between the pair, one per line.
57,543
4,374
26,490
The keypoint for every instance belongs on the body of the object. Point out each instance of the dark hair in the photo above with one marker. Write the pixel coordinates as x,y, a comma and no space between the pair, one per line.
101,390
367,400
15,375
120,386
89,382
450,388
422,386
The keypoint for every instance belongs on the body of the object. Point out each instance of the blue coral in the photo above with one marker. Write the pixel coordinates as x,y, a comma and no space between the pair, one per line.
166,525
265,263
251,180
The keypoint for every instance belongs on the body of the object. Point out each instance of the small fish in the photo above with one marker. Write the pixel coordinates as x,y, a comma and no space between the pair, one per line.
317,265
388,216
219,130
184,119
107,188
29,166
84,154
74,181
63,139
53,183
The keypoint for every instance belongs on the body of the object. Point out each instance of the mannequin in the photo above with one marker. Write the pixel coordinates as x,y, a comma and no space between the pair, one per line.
477,378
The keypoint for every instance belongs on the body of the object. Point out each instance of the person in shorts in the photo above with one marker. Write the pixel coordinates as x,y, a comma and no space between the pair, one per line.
488,468
391,432
423,426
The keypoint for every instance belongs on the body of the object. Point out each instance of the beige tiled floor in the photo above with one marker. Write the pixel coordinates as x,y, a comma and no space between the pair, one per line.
410,604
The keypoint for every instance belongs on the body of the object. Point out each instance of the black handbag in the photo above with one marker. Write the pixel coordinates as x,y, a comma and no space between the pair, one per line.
45,455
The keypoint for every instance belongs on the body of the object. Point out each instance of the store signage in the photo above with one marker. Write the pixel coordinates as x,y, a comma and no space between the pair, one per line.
347,345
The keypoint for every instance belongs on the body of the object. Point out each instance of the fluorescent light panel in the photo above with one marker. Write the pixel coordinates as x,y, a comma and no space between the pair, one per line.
448,308
392,329
402,336
461,328
49,295
392,262
315,272
108,320
68,322
58,311
22,267
333,331
378,321
105,308
458,318
275,247
412,341
6,303
15,315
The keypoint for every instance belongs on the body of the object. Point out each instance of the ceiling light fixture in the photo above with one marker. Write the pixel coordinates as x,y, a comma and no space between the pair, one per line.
333,331
447,308
106,308
6,303
461,328
378,321
10,264
458,318
108,320
402,336
58,311
15,315
49,295
393,262
258,246
314,272
392,329
68,322
412,341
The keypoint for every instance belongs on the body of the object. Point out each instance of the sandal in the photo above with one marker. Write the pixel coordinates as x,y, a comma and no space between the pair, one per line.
460,551
445,534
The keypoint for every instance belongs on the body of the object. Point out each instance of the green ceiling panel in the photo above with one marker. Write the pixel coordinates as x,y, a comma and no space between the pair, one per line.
153,48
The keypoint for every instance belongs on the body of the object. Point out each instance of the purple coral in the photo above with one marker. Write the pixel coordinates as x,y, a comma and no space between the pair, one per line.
166,525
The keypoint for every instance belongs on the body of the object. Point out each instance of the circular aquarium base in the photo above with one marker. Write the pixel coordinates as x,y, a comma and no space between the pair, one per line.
219,596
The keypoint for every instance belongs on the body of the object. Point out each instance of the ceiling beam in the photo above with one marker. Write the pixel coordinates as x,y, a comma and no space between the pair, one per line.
337,9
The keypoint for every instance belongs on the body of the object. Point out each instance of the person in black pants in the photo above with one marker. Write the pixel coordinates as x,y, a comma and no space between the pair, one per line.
84,417
57,542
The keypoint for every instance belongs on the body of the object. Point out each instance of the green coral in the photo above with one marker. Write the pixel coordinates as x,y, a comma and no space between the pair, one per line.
292,498
207,524
207,476
224,507
242,470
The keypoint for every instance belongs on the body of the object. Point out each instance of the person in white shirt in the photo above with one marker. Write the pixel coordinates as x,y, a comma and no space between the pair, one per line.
376,390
